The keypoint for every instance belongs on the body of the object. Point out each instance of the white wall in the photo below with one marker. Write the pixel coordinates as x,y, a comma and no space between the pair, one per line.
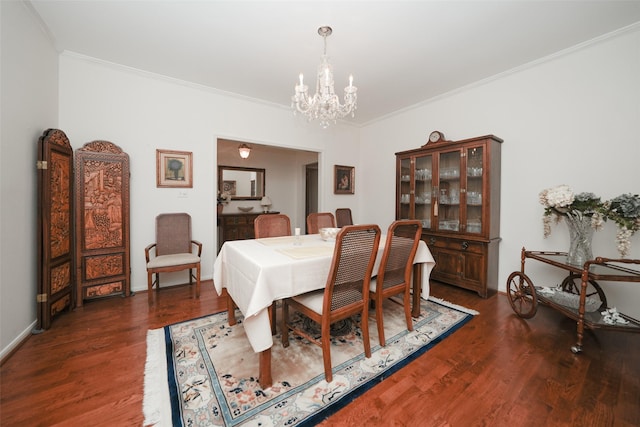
29,97
141,112
573,119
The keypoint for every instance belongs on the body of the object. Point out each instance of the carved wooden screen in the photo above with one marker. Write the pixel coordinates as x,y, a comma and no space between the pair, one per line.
102,221
55,226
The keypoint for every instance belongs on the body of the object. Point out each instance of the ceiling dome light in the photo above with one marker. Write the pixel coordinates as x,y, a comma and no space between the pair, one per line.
244,151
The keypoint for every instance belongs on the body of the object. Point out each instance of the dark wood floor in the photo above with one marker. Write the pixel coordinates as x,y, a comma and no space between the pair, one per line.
497,370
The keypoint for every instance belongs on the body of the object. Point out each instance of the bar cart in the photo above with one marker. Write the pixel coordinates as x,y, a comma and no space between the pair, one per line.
579,296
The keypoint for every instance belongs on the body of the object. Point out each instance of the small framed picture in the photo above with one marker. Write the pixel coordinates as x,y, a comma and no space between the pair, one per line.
229,187
344,179
174,169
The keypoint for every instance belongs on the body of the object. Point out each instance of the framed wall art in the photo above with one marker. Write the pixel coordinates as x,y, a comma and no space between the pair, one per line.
229,187
344,179
174,169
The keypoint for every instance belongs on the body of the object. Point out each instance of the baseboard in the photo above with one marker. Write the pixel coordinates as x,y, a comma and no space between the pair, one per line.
16,343
163,285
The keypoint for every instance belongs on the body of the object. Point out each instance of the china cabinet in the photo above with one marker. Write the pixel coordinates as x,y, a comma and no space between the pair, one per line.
453,187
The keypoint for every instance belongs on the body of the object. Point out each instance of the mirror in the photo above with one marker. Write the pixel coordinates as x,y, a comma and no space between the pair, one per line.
241,183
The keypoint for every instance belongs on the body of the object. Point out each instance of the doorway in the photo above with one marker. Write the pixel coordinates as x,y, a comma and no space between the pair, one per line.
311,190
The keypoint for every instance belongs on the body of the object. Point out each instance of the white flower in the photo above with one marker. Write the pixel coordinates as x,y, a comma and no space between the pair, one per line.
224,197
557,197
560,202
622,238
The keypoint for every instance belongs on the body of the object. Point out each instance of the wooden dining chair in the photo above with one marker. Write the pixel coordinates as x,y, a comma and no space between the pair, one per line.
343,217
318,220
346,292
394,273
173,250
272,225
268,225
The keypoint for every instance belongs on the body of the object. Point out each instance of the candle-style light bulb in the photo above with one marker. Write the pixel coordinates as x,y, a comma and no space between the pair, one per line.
300,79
350,80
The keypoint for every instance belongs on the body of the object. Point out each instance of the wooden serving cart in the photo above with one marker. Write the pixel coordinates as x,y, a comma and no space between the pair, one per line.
579,296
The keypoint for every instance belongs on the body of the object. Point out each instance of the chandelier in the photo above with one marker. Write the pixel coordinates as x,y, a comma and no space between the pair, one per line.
325,104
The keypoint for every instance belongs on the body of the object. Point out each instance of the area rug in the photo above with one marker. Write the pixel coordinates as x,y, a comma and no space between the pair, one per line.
203,372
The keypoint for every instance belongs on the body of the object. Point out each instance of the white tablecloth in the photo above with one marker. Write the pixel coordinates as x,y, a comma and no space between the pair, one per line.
258,272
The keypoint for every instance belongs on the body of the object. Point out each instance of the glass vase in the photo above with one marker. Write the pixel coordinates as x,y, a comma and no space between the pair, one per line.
580,238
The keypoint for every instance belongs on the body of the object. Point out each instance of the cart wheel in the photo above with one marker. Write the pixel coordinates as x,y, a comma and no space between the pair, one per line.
522,295
573,282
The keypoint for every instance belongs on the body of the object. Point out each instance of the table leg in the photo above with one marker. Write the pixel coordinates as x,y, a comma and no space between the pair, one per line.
231,309
265,369
417,288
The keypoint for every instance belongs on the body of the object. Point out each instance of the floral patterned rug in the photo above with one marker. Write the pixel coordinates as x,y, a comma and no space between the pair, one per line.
203,372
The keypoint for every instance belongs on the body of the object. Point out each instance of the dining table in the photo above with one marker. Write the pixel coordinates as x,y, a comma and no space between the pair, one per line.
257,272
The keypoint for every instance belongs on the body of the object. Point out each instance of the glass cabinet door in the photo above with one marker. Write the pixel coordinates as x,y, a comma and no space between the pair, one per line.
404,189
423,175
474,189
448,211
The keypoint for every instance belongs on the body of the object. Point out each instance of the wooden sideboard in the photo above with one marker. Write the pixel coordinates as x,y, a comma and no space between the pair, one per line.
236,226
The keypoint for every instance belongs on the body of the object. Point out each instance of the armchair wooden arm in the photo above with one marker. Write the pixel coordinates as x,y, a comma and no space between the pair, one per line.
199,245
147,250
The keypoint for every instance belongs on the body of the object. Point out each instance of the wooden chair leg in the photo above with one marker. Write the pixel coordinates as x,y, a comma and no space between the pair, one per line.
149,284
197,280
326,353
380,323
365,331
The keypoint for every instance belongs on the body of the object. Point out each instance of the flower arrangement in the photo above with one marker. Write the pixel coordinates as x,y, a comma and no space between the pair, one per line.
561,202
224,197
624,210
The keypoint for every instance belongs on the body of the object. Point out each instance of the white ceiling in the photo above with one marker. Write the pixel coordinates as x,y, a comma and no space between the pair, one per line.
400,52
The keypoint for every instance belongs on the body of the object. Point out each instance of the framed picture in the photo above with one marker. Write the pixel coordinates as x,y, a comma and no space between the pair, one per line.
174,169
344,179
229,187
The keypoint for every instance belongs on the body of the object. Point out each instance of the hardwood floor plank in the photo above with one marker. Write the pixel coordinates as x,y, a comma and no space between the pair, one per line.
497,370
